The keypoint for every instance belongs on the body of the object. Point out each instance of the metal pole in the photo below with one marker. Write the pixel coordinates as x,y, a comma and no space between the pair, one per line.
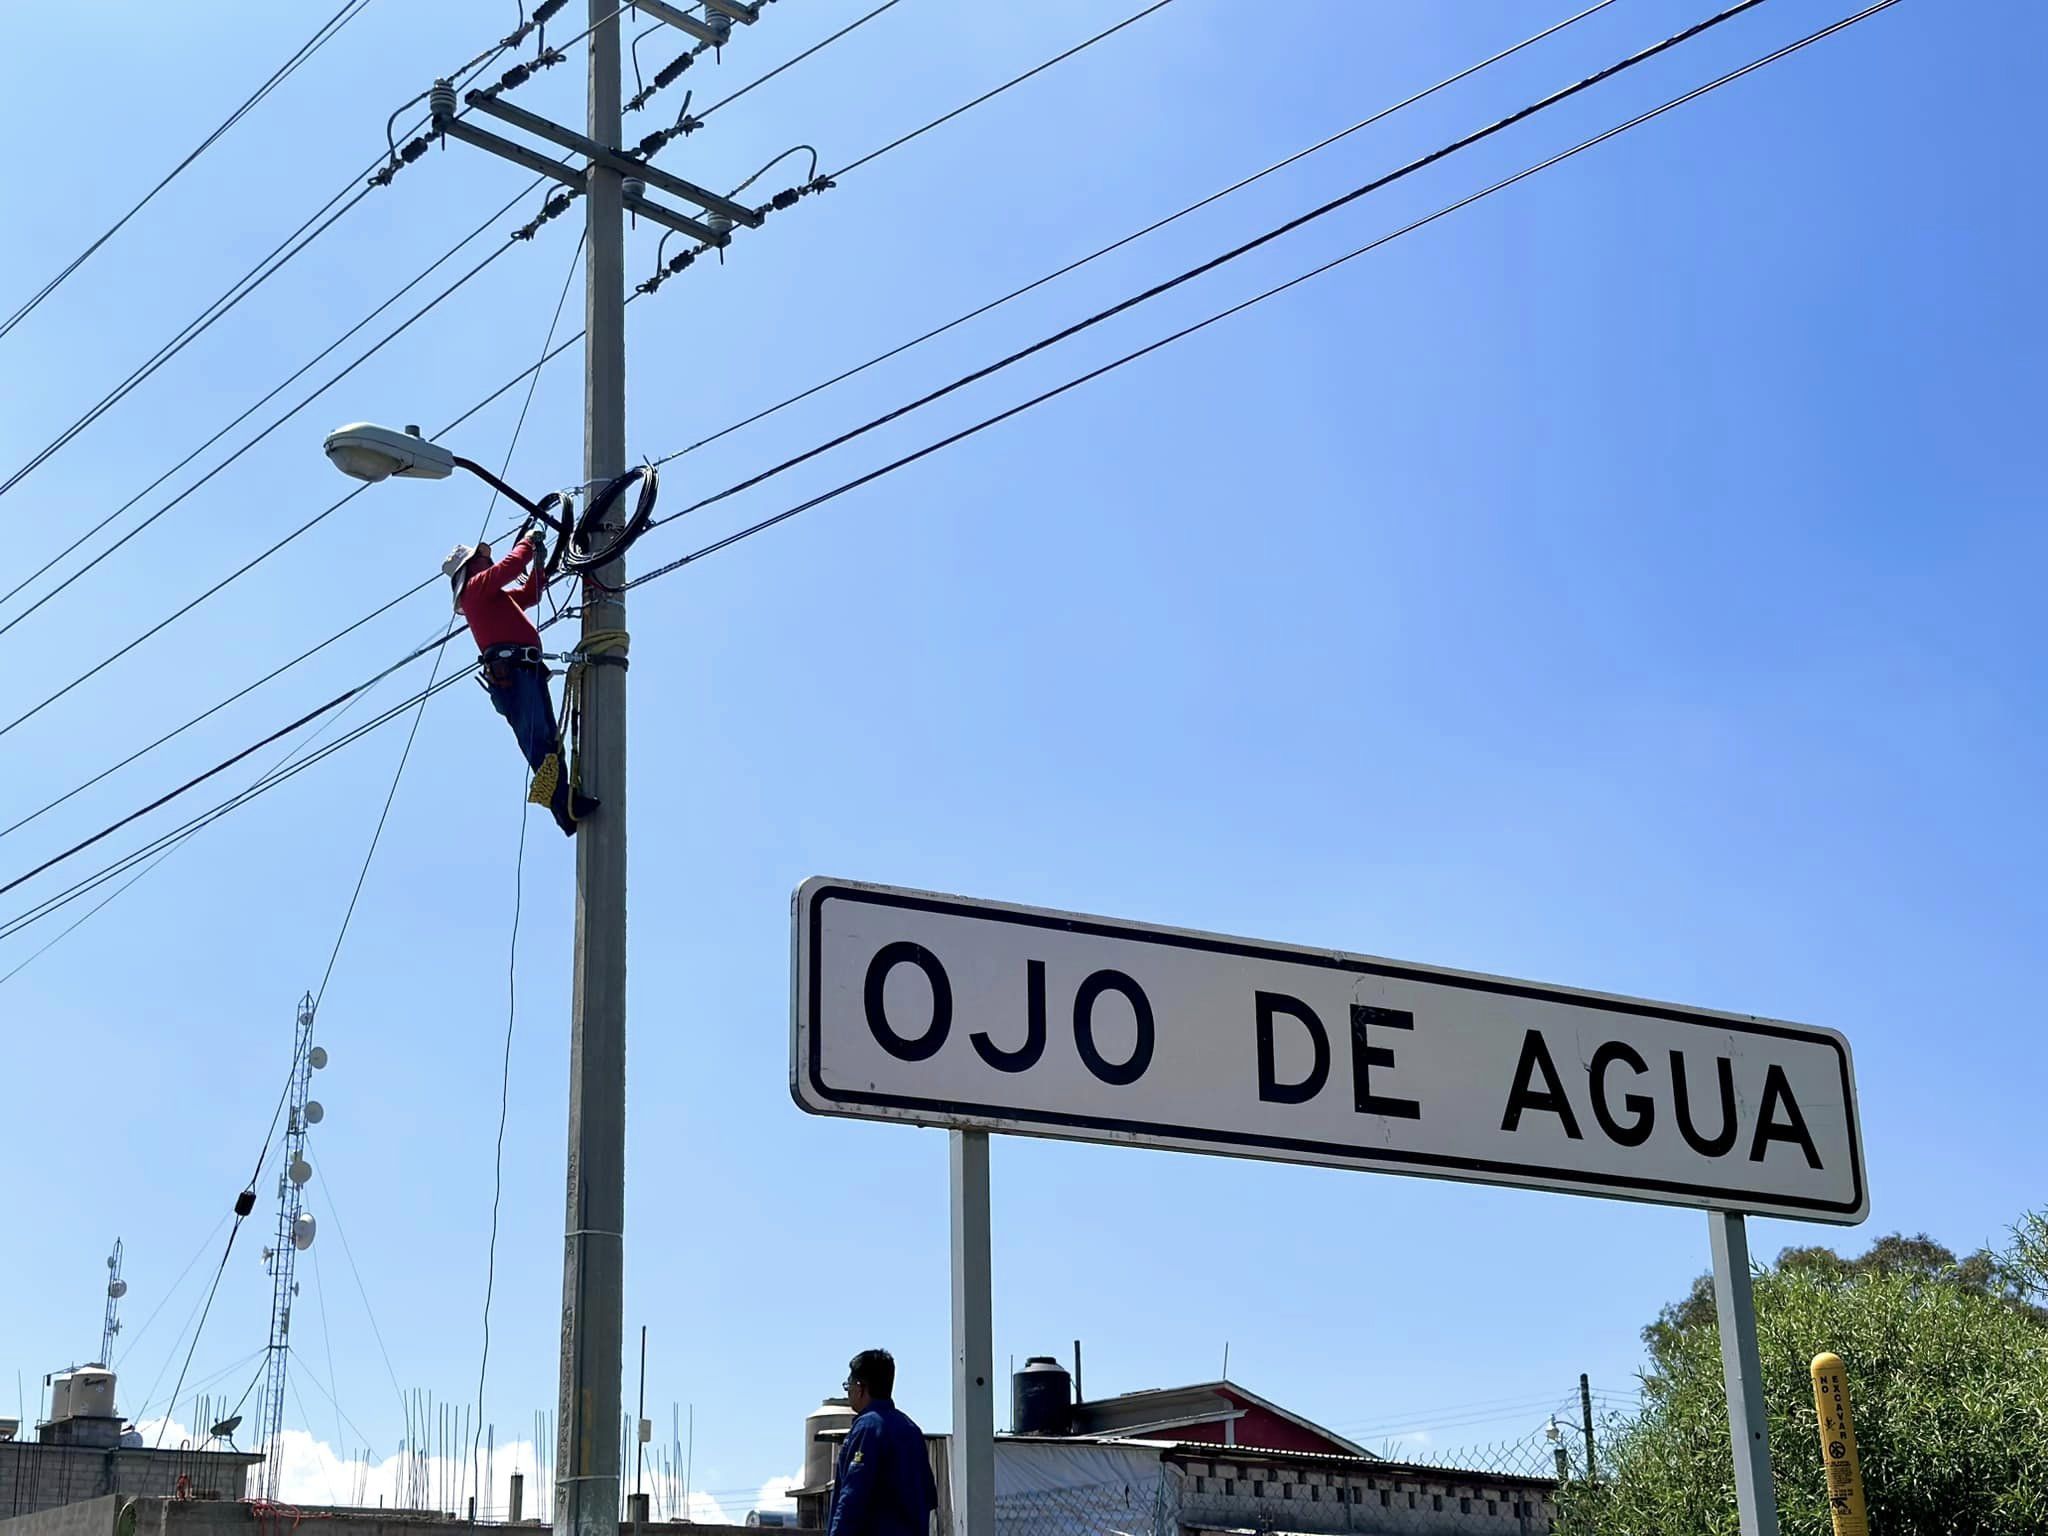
974,1409
1586,1421
1756,1495
587,1469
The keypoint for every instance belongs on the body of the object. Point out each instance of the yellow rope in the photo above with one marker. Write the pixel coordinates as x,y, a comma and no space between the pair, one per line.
601,642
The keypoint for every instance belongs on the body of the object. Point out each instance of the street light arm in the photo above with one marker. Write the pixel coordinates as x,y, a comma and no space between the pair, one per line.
532,508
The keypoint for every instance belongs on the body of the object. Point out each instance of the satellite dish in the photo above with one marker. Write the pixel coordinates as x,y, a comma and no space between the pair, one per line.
314,1113
300,1173
302,1231
317,1056
225,1429
117,1289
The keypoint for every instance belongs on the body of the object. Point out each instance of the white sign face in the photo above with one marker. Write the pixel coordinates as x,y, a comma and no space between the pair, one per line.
975,1015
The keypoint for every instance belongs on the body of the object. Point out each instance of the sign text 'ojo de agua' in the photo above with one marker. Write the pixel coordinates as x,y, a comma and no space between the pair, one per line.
943,1011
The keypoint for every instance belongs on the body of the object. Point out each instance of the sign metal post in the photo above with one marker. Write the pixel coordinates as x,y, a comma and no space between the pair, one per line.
972,1465
1749,1426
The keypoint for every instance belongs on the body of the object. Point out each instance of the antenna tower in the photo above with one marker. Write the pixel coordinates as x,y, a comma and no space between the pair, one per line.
294,1234
116,1289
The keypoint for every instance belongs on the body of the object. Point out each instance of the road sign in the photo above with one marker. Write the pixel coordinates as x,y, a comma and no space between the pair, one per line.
944,1011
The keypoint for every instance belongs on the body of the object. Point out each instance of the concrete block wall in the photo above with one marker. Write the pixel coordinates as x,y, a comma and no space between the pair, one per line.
1235,1493
91,1517
36,1477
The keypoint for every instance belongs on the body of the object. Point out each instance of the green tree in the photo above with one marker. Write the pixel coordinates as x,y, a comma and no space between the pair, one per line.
1948,1371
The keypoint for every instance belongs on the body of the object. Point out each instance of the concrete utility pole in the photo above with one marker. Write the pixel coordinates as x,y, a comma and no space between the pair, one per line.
587,1445
593,1261
1586,1421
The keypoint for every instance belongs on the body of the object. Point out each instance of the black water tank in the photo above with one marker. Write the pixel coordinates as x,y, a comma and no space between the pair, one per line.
1042,1398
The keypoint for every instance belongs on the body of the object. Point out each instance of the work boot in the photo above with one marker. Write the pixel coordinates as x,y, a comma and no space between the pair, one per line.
570,806
547,781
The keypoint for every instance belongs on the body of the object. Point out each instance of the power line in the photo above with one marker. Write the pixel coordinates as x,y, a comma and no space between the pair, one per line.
1187,276
320,38
162,1301
306,527
265,269
275,391
946,442
302,529
325,1185
14,925
1202,269
206,818
1135,235
852,26
504,1109
215,709
1057,58
211,1291
101,905
433,648
448,634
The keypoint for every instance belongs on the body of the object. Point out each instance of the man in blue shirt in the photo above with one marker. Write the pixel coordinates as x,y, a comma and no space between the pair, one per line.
884,1485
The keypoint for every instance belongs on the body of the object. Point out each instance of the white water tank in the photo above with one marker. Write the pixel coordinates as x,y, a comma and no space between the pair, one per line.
820,1456
86,1393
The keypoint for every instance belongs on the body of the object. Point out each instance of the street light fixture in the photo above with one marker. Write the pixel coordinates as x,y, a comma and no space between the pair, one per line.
364,451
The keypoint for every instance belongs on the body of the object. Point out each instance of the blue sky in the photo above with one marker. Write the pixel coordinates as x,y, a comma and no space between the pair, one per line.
1628,582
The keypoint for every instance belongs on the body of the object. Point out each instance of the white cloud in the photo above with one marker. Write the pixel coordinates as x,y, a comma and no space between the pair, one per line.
315,1474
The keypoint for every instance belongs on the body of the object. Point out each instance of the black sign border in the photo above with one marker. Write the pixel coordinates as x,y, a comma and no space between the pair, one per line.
1324,1154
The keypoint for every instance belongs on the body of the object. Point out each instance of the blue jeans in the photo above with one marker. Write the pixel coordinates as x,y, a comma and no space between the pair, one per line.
519,692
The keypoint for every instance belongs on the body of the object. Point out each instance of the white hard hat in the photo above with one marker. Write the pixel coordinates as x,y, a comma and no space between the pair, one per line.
452,567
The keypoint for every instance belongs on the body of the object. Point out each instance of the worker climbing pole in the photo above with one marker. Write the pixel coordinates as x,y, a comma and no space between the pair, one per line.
513,665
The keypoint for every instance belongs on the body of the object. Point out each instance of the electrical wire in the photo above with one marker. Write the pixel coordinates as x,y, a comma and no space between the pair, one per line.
249,411
266,268
327,1343
439,650
946,442
279,422
504,1111
192,331
211,1291
162,1301
215,709
852,26
22,920
220,1374
1202,269
1135,235
296,533
306,527
313,1376
325,33
206,818
918,133
325,1187
121,889
1186,276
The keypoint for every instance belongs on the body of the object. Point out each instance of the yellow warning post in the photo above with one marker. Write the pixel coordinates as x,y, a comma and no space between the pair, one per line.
1838,1446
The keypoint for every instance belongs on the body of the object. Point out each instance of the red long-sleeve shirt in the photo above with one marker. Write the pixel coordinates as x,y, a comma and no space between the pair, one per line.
494,609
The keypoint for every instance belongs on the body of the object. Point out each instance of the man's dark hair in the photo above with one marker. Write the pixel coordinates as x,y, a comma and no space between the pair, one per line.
874,1369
